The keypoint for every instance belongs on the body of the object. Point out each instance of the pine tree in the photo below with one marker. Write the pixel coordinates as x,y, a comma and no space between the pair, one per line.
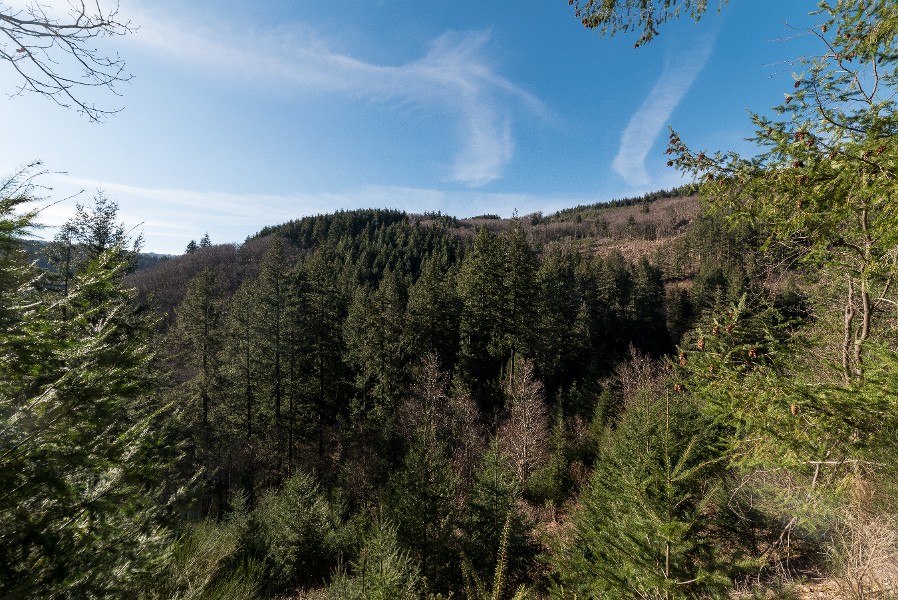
433,314
641,528
199,330
271,296
491,504
292,531
373,334
83,453
420,500
198,335
420,496
382,571
561,353
647,310
821,191
480,289
242,372
517,309
323,364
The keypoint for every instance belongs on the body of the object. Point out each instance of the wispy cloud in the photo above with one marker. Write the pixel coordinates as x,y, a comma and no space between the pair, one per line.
454,77
679,73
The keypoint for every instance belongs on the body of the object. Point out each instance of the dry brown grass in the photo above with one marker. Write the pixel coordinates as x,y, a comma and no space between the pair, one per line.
633,230
864,550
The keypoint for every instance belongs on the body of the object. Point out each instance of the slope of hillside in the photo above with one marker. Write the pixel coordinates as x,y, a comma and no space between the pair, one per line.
646,227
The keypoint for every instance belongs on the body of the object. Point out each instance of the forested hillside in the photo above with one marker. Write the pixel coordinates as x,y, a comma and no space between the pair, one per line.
692,394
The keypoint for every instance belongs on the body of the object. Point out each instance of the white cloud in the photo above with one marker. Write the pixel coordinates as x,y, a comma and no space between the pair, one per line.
454,78
679,73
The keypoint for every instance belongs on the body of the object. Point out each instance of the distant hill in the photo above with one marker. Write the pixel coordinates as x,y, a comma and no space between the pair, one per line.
145,260
375,239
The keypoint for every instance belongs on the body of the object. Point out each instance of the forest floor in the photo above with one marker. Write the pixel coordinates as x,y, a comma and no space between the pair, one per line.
829,589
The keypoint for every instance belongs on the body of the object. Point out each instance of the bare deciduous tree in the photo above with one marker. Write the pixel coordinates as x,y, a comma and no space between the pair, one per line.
424,414
54,51
524,436
468,435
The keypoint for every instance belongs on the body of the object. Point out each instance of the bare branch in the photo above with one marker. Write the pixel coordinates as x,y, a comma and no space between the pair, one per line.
55,53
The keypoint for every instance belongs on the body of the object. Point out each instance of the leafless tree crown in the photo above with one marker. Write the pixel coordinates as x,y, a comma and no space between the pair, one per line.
54,51
524,435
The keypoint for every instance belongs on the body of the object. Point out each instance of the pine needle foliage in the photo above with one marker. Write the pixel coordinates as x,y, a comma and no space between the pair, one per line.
475,589
490,509
643,524
382,570
84,453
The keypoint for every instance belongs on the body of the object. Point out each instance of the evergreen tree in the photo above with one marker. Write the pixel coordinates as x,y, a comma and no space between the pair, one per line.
199,330
293,532
382,570
271,295
561,354
641,528
489,509
822,189
95,229
609,285
199,338
323,364
420,496
373,334
517,309
84,455
433,314
646,308
242,372
480,289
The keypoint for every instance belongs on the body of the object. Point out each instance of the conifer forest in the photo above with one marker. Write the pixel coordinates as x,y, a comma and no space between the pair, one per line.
687,394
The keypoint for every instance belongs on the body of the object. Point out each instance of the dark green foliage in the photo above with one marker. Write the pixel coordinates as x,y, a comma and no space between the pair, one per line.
294,533
420,500
433,314
274,333
382,571
517,309
491,503
647,310
420,496
680,313
562,351
199,336
373,241
197,342
373,334
643,522
84,453
481,293
336,378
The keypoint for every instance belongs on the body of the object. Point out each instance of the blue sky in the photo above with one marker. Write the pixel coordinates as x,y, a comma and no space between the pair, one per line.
242,115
